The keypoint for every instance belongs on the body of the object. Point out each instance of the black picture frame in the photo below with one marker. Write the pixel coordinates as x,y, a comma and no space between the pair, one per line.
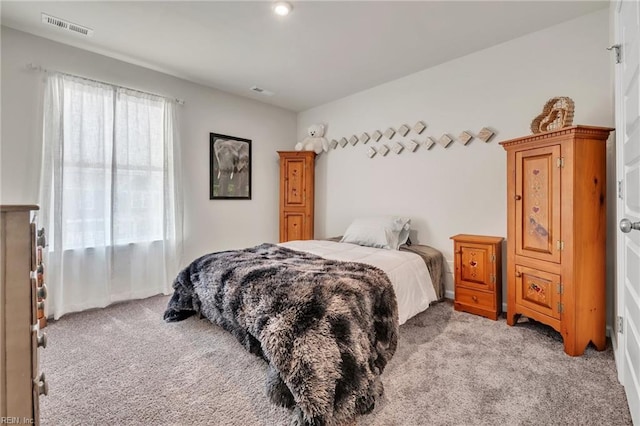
229,167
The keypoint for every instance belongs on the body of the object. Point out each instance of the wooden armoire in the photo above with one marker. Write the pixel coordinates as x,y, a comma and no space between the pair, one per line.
297,169
556,232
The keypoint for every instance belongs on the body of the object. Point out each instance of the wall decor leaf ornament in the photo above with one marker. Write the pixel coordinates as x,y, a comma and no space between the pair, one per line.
403,130
364,137
389,133
376,135
333,144
419,127
445,140
412,145
343,142
353,140
371,152
397,147
383,150
429,143
485,134
465,137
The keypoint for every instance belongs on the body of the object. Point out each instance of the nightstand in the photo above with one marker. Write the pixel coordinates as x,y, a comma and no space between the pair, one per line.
478,274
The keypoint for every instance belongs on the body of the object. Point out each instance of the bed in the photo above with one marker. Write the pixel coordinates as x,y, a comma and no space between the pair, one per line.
323,314
414,271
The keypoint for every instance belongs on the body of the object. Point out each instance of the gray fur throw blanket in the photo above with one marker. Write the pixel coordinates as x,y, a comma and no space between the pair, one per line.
326,328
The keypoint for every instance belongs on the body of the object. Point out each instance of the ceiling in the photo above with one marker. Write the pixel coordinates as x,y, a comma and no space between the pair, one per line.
322,51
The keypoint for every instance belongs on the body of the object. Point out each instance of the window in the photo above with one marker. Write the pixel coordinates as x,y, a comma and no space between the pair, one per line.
110,195
113,171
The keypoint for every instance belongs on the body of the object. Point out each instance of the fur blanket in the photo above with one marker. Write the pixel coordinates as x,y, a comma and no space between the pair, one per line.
326,328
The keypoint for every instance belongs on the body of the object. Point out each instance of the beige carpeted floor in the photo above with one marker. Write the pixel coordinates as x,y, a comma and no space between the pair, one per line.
124,366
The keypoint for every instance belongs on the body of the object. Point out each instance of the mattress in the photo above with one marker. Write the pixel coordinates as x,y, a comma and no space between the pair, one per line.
407,271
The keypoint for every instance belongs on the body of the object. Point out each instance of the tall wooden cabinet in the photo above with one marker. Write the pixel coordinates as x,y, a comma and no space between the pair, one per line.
296,195
556,232
20,382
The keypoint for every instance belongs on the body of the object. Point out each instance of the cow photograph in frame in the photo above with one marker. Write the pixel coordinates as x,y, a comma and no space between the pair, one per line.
229,167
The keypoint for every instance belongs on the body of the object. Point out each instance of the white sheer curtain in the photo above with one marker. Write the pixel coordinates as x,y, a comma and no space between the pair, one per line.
110,194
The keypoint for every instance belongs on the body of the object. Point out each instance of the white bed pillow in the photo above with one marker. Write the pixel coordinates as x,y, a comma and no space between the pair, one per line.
387,232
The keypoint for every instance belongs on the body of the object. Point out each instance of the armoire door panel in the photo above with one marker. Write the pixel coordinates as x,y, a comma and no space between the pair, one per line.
294,226
475,266
538,290
294,182
537,203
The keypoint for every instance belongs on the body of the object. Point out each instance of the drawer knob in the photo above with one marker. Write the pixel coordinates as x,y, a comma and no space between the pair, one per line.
518,197
41,240
42,292
474,298
41,385
42,340
518,274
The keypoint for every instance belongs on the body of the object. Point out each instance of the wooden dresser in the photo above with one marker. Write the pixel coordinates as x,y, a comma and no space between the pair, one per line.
297,169
478,274
556,232
20,382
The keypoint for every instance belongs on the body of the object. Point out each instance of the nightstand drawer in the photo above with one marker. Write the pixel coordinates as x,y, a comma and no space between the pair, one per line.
475,298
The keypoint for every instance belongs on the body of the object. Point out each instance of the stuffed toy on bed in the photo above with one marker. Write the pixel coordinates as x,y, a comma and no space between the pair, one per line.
315,141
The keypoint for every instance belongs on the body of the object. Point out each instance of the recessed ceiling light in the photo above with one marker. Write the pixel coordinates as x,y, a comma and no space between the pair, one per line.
282,8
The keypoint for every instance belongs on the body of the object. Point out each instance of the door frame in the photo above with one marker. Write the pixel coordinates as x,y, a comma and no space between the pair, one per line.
616,337
626,335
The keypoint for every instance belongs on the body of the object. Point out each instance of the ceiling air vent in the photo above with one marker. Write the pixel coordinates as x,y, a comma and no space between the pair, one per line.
66,25
261,91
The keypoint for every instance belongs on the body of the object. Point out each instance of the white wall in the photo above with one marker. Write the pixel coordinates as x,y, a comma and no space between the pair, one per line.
461,189
209,225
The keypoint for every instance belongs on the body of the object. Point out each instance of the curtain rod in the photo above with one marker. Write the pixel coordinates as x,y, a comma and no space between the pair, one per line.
34,67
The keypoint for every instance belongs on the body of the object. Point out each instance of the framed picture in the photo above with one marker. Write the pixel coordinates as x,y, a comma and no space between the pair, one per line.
229,168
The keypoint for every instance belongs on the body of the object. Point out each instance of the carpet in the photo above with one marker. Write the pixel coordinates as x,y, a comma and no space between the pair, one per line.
124,365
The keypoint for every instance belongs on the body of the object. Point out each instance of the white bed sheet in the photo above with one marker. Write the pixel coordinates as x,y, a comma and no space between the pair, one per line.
407,271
